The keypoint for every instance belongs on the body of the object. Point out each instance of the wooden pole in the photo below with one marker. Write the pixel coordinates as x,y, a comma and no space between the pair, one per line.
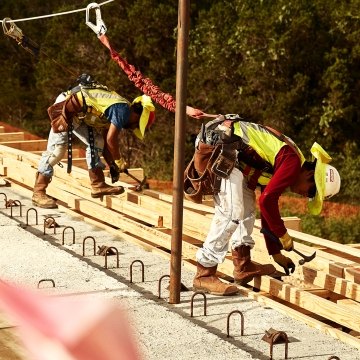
179,144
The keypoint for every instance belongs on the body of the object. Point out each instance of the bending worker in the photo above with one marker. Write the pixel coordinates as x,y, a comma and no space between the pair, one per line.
267,158
96,116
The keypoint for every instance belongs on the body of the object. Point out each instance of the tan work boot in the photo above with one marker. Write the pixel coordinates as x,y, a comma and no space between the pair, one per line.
207,281
244,269
39,197
98,185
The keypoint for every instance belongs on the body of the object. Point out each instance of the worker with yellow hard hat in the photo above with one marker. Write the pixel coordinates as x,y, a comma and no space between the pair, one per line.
96,115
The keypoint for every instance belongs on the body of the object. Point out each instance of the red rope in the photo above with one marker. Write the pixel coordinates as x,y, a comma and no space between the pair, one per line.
141,82
147,87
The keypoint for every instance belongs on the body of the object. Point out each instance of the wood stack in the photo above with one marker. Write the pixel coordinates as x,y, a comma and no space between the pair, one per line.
324,293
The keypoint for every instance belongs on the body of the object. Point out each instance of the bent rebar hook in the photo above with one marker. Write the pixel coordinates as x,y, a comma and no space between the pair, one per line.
100,27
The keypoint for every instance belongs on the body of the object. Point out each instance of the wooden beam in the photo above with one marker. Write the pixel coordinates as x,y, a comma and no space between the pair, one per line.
308,301
17,136
26,145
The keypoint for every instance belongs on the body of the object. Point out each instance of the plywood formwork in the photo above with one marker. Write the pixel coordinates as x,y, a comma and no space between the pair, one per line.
324,293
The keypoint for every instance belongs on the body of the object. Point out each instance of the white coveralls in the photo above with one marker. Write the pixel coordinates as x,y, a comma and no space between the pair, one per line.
233,220
57,146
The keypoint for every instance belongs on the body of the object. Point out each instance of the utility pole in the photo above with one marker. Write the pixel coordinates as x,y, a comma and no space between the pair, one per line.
179,145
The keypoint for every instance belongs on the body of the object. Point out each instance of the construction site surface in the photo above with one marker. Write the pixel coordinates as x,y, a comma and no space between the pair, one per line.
316,309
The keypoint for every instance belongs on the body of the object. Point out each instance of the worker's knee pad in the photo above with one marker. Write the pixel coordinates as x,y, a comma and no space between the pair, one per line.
57,154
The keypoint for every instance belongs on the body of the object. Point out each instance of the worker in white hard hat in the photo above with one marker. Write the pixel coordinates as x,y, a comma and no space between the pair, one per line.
262,157
96,116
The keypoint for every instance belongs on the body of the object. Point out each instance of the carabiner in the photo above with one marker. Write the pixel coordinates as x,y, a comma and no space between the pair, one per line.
13,31
99,28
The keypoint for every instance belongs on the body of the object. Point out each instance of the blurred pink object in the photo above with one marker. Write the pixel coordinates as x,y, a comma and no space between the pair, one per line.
67,328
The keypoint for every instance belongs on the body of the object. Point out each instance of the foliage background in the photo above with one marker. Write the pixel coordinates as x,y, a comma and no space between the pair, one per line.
293,65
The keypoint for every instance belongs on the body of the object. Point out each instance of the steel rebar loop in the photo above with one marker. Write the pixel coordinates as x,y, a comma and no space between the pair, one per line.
228,322
159,284
48,223
5,199
277,336
63,234
44,280
94,242
15,203
27,216
192,302
117,255
142,270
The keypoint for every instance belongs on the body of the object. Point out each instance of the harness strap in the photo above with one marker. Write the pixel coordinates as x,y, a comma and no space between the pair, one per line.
92,146
283,138
69,164
254,179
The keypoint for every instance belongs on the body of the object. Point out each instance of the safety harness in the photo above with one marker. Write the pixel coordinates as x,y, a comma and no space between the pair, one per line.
85,110
248,161
218,150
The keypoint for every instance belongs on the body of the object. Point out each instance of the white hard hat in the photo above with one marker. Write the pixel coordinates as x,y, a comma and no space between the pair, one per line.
332,181
327,179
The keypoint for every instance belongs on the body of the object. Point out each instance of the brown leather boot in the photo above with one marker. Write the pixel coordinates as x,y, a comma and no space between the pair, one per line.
244,269
98,185
39,197
207,281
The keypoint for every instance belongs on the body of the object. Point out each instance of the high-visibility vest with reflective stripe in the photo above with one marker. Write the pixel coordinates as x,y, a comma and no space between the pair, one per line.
264,143
97,101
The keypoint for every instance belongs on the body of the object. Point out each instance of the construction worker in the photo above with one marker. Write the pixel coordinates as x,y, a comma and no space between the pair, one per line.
96,116
267,158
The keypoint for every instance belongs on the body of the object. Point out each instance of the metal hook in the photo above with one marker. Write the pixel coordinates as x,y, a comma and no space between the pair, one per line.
94,242
27,216
242,321
192,302
63,234
43,280
5,199
100,27
142,269
13,31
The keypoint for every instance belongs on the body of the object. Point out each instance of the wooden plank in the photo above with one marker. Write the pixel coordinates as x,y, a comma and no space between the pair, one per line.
350,305
353,274
194,224
337,285
12,153
131,226
308,301
14,136
26,145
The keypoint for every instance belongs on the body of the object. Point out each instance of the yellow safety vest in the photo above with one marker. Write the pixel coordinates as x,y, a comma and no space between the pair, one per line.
97,101
265,143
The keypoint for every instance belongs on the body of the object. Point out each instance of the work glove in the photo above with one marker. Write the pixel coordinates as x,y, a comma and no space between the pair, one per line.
114,172
286,242
116,167
286,263
121,164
